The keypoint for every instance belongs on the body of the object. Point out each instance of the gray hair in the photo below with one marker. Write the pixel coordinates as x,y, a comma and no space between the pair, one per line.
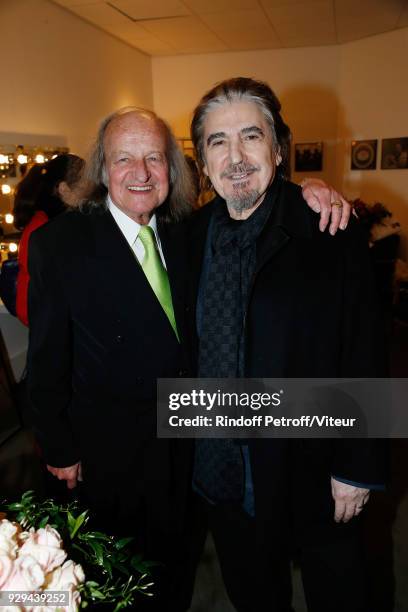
242,88
182,191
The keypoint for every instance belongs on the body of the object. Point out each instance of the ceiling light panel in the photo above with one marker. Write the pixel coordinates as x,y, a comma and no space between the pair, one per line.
307,24
151,9
72,3
100,14
352,22
216,6
240,28
189,30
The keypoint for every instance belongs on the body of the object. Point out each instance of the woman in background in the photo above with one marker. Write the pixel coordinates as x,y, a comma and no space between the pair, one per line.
45,192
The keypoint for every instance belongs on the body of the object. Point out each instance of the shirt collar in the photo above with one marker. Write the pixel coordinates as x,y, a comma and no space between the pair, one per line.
129,227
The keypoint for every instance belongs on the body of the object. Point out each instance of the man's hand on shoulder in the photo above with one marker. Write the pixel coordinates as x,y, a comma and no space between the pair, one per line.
325,200
349,500
71,474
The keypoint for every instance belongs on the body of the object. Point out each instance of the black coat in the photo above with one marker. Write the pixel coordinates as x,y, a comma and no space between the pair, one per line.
312,312
99,339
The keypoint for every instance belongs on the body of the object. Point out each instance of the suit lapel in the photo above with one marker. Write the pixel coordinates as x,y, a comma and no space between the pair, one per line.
172,238
119,272
288,219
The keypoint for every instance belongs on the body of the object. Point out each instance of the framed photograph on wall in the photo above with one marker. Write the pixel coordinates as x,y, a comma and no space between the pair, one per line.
309,157
394,153
364,154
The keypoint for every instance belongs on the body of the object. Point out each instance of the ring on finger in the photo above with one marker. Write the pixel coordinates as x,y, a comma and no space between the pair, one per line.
337,204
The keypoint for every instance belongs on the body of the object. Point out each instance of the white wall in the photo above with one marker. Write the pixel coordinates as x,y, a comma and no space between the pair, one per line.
305,80
373,95
335,94
61,76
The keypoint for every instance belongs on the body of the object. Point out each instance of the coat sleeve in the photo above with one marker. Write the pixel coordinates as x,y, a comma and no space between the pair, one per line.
49,356
364,354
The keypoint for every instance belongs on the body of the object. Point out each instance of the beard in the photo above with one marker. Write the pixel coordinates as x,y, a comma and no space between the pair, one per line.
242,197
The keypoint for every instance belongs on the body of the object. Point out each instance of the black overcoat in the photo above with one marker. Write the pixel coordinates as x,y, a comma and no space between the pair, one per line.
312,312
99,340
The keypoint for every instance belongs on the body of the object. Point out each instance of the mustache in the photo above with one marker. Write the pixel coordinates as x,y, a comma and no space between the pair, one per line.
241,168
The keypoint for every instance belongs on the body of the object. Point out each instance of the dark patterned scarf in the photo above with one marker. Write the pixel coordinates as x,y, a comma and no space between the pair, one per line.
219,469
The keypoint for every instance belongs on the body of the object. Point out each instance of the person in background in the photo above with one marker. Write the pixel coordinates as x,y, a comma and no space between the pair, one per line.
45,192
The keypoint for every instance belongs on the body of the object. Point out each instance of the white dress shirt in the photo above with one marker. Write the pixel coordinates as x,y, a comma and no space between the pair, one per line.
130,230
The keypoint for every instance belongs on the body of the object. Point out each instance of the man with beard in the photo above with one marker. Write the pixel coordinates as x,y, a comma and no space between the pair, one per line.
275,298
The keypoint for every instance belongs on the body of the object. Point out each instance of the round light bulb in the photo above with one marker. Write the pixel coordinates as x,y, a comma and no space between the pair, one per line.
4,159
5,189
13,248
9,218
22,159
39,159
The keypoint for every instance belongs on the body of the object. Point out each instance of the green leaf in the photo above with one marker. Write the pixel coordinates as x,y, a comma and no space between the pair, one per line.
28,495
78,523
15,506
71,522
96,535
43,521
98,551
97,594
123,542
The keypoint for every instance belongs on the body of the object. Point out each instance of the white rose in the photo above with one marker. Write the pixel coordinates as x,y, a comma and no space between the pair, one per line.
26,575
45,545
70,574
6,569
8,538
74,601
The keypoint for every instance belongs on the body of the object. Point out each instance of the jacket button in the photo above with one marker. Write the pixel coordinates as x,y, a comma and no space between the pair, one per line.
119,339
182,373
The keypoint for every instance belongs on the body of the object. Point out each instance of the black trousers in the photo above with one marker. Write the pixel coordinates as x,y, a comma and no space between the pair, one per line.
255,565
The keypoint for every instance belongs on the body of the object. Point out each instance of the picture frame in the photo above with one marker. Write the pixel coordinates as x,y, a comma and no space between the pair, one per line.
309,157
394,153
364,154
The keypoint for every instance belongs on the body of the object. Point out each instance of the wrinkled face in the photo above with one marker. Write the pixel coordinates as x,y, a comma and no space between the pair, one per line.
240,158
136,166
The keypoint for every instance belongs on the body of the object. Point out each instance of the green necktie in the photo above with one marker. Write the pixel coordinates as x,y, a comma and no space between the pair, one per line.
156,273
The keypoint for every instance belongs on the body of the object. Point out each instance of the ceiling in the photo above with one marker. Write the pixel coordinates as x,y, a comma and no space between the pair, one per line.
174,27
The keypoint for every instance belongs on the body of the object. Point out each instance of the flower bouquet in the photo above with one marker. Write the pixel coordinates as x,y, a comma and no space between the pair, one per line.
46,550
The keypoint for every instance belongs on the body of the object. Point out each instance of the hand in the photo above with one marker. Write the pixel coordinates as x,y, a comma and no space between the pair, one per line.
71,474
349,500
320,198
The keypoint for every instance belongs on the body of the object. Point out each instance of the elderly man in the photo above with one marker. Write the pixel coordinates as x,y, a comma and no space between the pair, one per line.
106,318
105,312
277,298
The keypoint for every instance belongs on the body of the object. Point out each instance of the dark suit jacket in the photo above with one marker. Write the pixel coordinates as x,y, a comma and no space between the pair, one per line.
312,312
99,339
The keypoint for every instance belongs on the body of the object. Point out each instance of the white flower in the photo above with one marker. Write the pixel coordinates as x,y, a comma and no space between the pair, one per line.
74,601
62,578
26,575
67,578
8,538
6,569
45,545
